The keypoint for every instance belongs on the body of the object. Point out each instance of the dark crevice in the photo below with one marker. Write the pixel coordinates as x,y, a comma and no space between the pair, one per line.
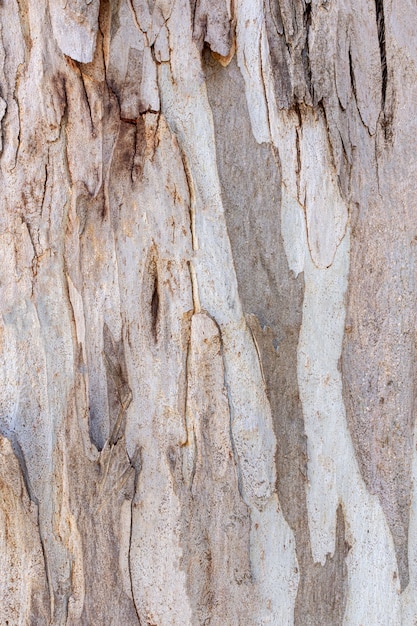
305,55
298,170
135,143
136,463
17,449
87,101
155,308
342,189
352,75
353,86
129,120
380,22
152,297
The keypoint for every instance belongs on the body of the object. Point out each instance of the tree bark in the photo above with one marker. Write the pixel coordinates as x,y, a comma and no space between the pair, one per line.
208,241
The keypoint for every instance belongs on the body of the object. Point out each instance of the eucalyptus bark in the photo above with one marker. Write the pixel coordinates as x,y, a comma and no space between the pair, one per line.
208,236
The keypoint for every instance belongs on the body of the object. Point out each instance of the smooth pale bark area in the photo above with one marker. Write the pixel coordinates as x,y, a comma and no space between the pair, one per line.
208,240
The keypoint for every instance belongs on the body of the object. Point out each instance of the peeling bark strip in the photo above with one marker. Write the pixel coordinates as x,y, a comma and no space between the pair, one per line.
207,297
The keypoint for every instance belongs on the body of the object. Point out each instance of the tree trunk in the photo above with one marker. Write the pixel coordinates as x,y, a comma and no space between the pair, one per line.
207,286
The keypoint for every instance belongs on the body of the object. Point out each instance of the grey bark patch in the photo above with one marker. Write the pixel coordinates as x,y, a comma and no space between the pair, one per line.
212,25
118,390
322,592
195,552
129,97
287,26
272,300
279,54
380,406
379,352
99,491
21,597
215,520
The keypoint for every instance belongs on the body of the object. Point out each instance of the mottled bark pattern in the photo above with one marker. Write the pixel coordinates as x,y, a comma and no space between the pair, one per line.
207,296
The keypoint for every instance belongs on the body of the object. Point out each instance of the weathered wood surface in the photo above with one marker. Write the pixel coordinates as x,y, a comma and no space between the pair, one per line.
208,236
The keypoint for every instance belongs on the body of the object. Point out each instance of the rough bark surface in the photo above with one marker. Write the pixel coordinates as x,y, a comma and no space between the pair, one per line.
207,293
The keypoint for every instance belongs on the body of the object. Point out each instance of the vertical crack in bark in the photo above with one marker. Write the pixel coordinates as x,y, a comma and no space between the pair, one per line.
192,199
136,463
194,288
352,76
47,569
264,87
84,88
305,53
19,72
152,295
155,308
258,352
298,131
188,426
380,21
353,87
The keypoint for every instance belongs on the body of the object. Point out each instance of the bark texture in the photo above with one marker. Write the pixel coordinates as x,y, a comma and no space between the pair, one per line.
208,242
